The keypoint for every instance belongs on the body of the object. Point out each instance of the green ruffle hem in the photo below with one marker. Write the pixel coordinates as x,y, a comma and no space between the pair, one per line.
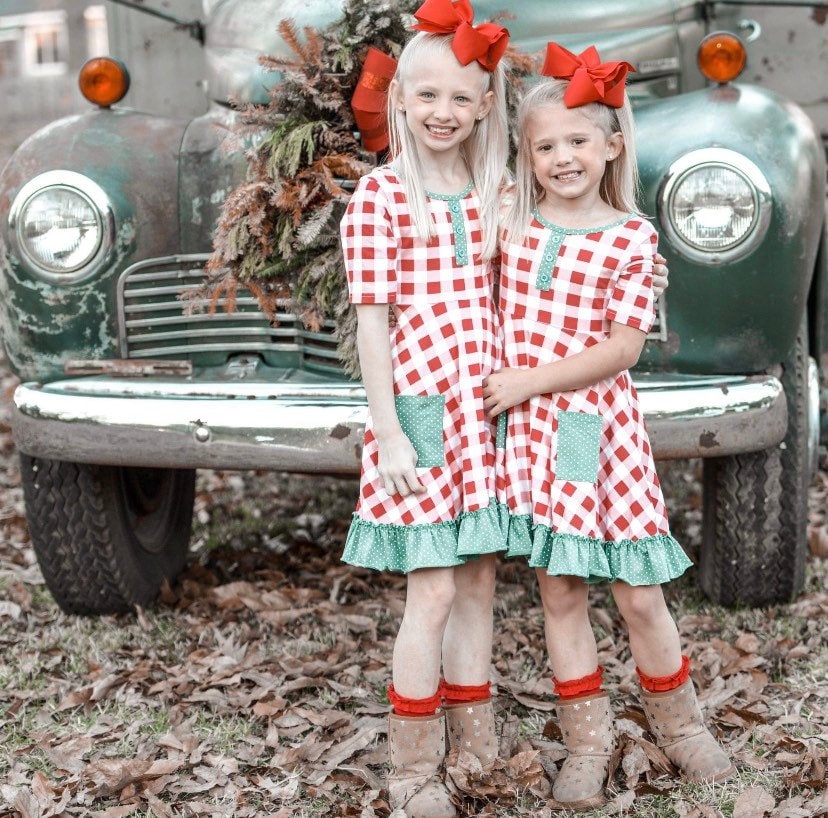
646,561
405,548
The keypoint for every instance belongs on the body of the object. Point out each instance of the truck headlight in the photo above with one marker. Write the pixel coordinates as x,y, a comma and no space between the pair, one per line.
62,225
714,204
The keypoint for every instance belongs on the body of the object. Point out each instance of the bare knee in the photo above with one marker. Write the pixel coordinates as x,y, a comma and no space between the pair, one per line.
476,579
639,605
429,598
561,596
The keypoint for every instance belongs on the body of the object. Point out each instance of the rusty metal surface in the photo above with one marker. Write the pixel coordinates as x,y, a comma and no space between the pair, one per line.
133,158
127,368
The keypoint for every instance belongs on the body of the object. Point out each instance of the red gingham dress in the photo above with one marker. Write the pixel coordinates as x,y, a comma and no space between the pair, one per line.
444,341
611,522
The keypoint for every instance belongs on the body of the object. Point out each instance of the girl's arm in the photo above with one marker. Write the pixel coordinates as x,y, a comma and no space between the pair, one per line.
397,457
509,387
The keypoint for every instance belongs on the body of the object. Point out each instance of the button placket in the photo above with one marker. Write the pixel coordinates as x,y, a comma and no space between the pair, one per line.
458,225
548,260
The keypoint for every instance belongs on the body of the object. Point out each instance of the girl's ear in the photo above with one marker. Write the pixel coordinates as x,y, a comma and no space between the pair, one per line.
485,104
395,95
615,144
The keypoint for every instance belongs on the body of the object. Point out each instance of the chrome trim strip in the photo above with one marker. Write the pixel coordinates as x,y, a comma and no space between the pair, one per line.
195,318
812,409
181,349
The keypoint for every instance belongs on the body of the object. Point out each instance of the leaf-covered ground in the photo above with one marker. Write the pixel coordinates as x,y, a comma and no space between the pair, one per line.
256,686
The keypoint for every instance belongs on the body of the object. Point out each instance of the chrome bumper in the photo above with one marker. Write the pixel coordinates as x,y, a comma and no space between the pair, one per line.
318,427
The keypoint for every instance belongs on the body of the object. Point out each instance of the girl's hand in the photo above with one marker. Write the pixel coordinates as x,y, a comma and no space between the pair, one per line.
660,271
397,461
506,388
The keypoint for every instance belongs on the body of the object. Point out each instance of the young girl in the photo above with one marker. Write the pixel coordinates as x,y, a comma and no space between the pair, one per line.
577,472
418,238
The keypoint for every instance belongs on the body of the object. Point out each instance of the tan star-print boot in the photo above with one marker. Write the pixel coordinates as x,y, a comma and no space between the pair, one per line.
417,746
586,725
471,727
678,725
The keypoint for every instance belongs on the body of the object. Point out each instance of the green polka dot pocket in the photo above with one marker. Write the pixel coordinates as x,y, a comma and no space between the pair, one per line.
421,419
579,440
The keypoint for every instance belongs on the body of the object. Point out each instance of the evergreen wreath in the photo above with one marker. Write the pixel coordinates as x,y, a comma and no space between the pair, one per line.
278,232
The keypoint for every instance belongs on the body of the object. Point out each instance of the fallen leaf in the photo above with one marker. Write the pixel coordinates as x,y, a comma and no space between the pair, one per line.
754,802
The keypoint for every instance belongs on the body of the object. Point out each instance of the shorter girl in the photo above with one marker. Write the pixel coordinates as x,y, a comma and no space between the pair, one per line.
577,472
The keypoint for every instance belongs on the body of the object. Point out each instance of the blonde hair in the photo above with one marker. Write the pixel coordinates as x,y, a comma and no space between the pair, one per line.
619,185
485,152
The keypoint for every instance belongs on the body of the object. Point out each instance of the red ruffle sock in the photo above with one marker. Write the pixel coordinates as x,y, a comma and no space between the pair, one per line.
659,684
585,686
464,694
403,706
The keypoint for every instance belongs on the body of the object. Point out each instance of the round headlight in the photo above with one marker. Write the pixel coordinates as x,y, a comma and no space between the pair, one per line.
714,204
62,225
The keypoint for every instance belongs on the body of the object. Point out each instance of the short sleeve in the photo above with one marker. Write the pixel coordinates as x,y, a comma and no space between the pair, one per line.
631,301
369,245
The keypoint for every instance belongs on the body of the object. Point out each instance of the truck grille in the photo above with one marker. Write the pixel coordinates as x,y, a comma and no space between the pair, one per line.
152,322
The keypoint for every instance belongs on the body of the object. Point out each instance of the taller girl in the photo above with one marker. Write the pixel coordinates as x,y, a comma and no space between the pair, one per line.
418,238
579,478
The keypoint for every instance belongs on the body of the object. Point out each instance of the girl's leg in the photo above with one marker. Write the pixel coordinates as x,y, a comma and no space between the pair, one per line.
654,639
428,604
667,692
467,641
583,708
467,659
416,731
569,637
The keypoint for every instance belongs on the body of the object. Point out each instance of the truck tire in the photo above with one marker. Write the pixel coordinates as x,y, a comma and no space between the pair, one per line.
755,507
106,537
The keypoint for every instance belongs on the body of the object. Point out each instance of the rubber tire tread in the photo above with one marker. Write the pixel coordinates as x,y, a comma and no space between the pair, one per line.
755,509
90,564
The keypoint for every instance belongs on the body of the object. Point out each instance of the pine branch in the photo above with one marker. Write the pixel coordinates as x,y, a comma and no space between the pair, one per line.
277,235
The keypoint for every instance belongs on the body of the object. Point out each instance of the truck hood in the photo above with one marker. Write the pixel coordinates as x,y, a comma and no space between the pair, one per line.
640,31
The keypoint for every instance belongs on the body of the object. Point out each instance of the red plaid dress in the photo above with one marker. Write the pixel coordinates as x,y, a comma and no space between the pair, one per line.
577,471
444,342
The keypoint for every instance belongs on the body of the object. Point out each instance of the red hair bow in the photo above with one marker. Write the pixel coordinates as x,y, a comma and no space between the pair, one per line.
590,80
485,43
370,100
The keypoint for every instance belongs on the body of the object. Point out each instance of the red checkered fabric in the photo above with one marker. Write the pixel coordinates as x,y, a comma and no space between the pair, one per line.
387,263
444,341
599,277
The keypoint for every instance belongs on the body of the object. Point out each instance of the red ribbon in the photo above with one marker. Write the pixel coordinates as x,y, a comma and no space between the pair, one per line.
485,43
590,80
369,101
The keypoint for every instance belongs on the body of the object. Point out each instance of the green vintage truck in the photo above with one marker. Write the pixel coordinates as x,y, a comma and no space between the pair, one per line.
106,217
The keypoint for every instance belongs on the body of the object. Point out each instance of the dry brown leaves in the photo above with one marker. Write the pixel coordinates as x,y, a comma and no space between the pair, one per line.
257,686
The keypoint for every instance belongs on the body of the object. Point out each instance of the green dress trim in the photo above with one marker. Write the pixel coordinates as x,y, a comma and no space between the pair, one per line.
543,281
646,561
404,548
458,225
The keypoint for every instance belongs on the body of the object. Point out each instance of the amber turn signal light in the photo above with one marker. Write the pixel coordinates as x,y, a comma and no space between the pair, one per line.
721,56
103,81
